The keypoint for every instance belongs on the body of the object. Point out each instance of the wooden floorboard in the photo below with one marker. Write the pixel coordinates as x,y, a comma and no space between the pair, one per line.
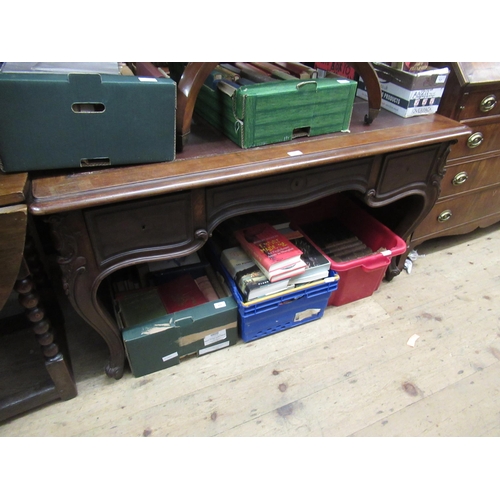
351,373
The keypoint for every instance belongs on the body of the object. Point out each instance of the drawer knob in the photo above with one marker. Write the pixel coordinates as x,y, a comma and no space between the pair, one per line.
444,216
201,234
488,103
460,178
475,140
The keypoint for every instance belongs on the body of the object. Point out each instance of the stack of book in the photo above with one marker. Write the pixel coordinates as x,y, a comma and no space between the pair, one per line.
337,241
229,76
271,259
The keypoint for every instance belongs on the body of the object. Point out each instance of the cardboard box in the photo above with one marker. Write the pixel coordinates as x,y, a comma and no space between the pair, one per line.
408,94
161,343
272,112
54,121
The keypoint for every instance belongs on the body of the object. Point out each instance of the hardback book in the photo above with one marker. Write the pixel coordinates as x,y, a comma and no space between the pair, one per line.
181,293
268,246
138,306
253,284
290,271
317,265
134,307
235,260
206,288
299,70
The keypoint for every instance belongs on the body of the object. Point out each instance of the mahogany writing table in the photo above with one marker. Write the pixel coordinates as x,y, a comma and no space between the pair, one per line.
106,219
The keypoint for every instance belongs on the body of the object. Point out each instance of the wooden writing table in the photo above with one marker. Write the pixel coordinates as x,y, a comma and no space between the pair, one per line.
106,219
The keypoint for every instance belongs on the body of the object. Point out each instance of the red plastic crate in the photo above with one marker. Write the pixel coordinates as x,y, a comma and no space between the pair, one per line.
360,277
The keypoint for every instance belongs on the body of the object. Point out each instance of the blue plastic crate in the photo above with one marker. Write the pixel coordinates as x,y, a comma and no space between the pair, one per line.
265,316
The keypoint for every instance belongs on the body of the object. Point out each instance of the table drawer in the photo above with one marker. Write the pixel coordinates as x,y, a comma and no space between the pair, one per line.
163,224
483,139
460,210
285,190
480,104
470,175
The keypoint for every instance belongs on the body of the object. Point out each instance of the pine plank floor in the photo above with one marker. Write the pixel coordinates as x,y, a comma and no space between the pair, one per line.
351,373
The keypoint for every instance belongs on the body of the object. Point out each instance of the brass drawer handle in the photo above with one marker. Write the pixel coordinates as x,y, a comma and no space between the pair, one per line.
475,140
488,103
460,178
444,216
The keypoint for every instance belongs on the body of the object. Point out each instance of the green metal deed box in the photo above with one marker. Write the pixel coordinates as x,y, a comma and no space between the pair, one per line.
272,112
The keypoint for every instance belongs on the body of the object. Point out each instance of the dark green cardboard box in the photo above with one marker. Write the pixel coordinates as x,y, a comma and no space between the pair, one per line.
267,113
159,344
53,121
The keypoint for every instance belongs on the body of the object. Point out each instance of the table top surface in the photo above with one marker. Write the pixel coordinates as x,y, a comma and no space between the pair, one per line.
13,188
209,158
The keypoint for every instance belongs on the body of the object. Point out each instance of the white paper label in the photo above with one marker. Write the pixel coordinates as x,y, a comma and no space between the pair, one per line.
295,153
147,79
213,348
308,313
170,356
215,337
219,305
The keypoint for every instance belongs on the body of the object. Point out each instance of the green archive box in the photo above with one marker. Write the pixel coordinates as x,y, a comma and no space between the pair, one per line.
159,344
53,121
271,112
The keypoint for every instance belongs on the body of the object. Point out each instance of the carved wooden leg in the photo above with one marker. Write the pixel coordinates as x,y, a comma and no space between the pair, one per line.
417,211
81,280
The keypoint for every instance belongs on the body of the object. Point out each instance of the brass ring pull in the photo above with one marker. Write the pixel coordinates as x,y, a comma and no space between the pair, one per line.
444,216
488,103
475,140
460,178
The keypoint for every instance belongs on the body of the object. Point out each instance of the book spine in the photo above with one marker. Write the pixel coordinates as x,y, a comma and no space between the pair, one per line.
253,73
249,280
275,71
206,288
300,70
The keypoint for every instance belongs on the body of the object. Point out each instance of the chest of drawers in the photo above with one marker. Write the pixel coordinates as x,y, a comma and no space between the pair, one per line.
470,189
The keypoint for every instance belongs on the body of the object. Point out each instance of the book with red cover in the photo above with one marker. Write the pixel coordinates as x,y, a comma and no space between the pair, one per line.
181,293
266,245
286,272
146,304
